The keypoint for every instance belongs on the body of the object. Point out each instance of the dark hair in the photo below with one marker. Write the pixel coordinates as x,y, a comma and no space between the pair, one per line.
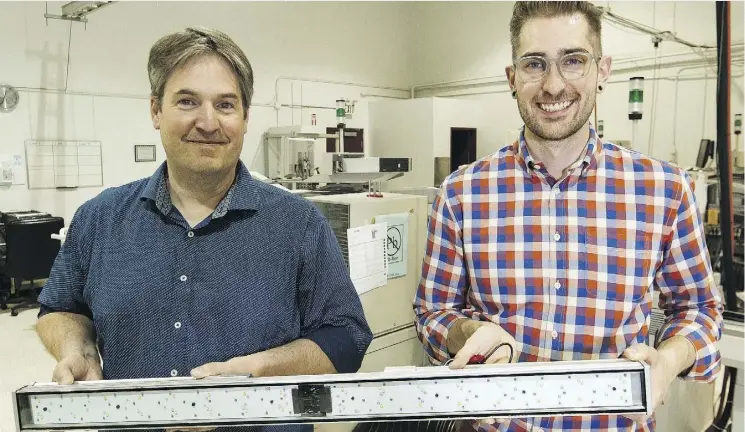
525,10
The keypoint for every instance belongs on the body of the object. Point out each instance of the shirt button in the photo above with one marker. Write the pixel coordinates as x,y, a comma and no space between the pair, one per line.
554,334
183,277
174,373
557,236
557,285
190,234
177,325
555,192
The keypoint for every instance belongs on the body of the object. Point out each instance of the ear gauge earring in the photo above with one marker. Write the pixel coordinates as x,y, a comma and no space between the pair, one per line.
514,94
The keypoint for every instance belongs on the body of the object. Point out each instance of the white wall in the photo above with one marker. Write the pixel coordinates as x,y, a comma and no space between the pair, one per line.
384,44
404,128
420,129
107,86
464,113
458,41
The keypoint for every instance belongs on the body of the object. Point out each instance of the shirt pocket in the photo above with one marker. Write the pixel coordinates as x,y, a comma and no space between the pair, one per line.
616,263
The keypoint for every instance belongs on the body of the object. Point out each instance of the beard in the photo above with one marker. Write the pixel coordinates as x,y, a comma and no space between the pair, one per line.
556,129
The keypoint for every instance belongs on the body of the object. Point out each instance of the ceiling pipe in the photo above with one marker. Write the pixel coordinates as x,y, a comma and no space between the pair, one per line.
501,79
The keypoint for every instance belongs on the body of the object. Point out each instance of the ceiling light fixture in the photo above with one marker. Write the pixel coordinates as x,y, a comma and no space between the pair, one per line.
78,10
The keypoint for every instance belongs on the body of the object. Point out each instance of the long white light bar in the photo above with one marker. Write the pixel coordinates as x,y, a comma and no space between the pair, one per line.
508,390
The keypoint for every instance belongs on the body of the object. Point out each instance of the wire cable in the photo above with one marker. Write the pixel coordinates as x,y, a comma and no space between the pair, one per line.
69,43
654,87
609,16
483,358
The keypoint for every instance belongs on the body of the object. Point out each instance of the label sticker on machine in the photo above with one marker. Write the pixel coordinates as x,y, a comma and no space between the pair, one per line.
396,243
368,266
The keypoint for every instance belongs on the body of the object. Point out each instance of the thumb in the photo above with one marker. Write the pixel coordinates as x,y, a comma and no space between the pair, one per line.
209,369
459,362
463,356
63,375
640,352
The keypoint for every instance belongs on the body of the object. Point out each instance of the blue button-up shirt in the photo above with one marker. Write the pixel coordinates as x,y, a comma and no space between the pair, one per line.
262,270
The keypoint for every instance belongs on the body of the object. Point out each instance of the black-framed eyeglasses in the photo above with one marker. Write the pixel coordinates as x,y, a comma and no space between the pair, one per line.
572,66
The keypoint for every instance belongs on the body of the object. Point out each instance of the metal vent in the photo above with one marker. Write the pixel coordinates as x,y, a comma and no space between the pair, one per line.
338,217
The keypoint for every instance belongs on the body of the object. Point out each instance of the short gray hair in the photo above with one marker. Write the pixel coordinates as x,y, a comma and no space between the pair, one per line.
172,51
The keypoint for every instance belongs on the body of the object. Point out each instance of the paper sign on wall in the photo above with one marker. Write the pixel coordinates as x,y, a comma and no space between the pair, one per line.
12,170
396,243
368,266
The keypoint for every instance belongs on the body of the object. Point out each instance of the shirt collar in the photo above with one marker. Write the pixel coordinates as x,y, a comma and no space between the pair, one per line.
242,195
588,161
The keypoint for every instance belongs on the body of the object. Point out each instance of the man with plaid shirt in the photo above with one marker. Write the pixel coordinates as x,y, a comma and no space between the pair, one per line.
556,243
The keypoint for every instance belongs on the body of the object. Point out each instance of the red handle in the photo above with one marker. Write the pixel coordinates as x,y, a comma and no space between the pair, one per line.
477,359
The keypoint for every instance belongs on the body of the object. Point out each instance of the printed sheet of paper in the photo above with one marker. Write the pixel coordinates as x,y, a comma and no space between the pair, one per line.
368,260
396,243
12,169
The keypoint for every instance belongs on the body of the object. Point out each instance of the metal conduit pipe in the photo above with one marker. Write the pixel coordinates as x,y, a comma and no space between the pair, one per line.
504,82
705,51
675,107
464,80
367,95
308,80
276,104
618,81
77,93
102,95
619,61
501,79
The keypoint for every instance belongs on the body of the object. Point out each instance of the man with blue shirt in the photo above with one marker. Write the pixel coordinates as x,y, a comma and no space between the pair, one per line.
200,270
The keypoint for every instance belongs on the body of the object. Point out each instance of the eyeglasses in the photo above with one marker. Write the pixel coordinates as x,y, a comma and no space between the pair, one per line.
571,66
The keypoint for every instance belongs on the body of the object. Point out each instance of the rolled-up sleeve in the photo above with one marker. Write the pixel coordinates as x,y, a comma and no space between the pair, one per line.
440,297
688,294
332,314
63,291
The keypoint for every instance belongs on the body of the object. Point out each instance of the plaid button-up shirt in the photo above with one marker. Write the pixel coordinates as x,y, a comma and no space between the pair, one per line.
568,267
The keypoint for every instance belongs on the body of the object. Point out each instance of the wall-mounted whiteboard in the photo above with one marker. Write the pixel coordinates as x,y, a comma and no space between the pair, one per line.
60,164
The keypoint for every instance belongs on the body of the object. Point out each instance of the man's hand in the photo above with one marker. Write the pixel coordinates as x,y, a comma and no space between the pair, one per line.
299,357
663,373
246,366
77,367
249,365
484,341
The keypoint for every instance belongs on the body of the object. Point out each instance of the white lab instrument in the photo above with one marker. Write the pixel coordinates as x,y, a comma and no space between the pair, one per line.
293,152
388,309
296,156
